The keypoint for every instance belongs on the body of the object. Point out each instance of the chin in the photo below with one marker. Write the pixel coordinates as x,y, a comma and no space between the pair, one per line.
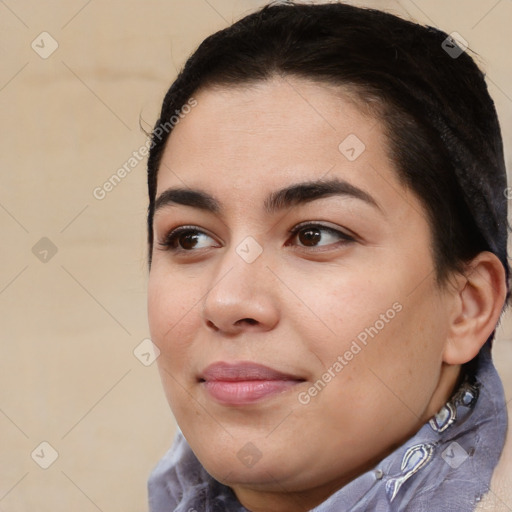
264,469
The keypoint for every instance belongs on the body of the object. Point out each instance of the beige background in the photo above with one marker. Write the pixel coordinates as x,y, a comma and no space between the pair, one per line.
70,324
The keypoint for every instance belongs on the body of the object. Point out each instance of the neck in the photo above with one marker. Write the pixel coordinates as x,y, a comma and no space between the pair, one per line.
449,380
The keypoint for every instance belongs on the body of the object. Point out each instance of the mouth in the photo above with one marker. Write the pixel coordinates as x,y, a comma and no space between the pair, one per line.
244,383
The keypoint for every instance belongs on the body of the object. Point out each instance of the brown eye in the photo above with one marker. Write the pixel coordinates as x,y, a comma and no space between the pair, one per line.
309,237
185,239
317,235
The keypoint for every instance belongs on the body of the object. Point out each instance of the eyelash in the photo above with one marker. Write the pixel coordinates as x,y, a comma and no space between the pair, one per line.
171,240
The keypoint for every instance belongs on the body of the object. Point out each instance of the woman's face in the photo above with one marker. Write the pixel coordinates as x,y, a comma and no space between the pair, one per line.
300,327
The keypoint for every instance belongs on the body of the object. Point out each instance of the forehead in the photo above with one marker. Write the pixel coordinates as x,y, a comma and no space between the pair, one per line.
245,142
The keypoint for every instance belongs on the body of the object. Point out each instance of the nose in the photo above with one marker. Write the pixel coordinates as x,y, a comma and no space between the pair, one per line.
242,296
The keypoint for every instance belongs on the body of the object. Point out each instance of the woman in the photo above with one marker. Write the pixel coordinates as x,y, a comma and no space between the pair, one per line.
327,235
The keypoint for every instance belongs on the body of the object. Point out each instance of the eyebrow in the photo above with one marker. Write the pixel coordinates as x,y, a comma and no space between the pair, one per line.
298,193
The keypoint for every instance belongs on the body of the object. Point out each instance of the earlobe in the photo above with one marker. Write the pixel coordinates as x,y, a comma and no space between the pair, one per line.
480,298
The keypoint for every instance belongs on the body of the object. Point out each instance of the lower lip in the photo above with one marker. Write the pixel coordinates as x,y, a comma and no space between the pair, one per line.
246,392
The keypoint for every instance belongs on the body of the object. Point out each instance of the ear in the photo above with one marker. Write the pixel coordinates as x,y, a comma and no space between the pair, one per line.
479,298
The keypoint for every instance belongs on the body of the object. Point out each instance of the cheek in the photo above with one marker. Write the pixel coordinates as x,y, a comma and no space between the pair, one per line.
390,339
172,311
342,306
172,318
402,361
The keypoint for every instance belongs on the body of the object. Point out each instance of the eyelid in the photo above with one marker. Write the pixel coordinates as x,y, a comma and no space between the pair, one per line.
322,224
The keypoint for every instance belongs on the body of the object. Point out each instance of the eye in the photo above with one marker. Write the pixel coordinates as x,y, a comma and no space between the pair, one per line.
189,239
318,235
185,239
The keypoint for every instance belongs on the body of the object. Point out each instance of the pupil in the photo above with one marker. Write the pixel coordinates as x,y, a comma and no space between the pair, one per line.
310,236
189,240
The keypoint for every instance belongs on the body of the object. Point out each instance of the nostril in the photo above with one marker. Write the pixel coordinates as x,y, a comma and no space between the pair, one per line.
209,323
250,321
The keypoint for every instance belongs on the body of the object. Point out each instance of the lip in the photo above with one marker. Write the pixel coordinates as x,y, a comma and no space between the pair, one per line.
245,382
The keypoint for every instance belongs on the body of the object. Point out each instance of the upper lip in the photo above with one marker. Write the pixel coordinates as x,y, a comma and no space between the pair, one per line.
243,371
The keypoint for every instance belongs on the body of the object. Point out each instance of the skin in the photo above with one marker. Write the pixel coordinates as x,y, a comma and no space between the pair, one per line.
297,307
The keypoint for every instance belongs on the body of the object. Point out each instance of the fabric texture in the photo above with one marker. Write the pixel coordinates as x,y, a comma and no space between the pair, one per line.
446,466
